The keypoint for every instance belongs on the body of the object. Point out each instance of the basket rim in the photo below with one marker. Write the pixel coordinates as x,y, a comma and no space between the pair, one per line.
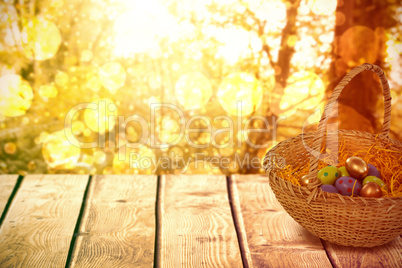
305,192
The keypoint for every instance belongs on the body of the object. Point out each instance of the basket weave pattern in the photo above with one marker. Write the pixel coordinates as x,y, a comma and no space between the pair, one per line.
350,221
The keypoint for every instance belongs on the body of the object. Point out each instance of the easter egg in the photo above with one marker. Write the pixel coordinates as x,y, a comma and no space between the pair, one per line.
347,185
304,181
344,172
329,188
328,175
374,179
373,171
371,189
356,167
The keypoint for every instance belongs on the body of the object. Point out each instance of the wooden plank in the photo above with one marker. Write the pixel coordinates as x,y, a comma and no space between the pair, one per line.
388,255
118,223
196,227
40,222
7,184
271,238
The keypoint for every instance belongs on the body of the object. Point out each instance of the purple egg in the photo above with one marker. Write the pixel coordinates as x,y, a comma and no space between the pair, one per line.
329,188
373,171
345,186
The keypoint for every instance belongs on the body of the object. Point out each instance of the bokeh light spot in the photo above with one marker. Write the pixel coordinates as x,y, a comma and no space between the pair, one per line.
58,152
322,7
112,76
47,91
272,11
134,161
10,148
138,30
243,88
236,42
193,90
304,91
86,55
16,95
358,45
61,79
101,119
99,157
41,39
77,127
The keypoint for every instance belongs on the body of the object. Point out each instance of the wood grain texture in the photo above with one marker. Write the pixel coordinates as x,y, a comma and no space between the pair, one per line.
7,183
273,238
40,222
118,223
388,255
196,228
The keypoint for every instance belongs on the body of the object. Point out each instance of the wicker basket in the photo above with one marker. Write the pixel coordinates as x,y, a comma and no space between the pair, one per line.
349,221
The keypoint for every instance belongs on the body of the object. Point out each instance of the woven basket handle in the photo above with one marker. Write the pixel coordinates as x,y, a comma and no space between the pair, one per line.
321,131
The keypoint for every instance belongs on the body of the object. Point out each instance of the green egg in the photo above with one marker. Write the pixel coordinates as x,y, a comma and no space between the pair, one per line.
374,179
328,175
344,172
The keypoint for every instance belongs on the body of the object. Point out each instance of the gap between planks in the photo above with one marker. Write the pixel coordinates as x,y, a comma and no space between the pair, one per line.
268,236
195,223
49,203
158,221
78,224
10,185
238,220
117,228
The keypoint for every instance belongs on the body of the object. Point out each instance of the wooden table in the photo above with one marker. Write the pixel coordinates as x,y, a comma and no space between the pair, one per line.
167,221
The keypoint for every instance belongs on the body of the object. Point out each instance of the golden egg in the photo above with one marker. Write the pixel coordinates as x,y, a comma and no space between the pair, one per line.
371,189
304,181
356,167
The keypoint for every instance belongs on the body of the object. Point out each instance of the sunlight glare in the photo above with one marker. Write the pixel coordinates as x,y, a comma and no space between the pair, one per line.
322,7
271,11
236,42
138,30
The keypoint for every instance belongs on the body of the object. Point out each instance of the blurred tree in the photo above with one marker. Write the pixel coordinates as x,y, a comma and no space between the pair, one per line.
201,56
360,36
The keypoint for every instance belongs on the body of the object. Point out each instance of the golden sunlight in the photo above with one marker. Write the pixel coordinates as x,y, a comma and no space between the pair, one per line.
40,39
240,89
138,29
47,91
271,11
305,90
271,61
133,161
102,116
236,42
58,151
16,95
112,76
193,90
322,7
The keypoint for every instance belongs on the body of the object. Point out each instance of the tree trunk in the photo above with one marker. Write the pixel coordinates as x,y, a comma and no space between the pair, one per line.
363,93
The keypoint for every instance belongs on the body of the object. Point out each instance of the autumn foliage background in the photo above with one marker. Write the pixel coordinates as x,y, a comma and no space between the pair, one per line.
280,59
